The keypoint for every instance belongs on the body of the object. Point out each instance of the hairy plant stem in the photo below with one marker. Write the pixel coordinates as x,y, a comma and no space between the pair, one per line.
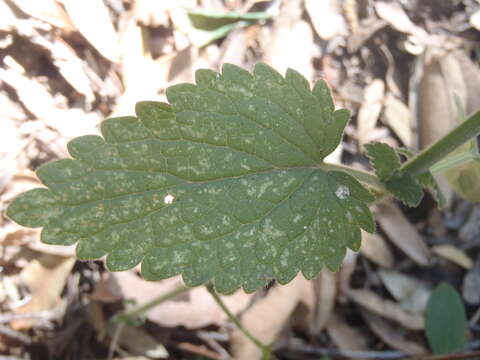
265,349
139,311
425,159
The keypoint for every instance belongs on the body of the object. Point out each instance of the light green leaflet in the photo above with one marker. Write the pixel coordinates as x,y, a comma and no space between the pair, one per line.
222,184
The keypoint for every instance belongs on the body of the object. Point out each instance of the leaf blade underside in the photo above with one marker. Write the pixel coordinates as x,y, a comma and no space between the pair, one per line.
221,184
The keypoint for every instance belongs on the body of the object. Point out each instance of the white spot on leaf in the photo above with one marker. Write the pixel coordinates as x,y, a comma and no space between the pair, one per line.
342,192
169,199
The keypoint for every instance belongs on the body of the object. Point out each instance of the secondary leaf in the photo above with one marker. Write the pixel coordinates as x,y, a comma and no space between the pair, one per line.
226,183
384,160
386,163
446,322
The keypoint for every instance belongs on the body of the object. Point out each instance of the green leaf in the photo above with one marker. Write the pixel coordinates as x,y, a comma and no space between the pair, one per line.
384,160
405,188
446,321
386,163
204,27
225,183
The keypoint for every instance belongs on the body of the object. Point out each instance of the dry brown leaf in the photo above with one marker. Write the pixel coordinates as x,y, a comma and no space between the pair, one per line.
391,335
138,341
345,336
266,318
325,286
92,20
402,233
386,308
38,100
46,10
370,110
442,81
291,42
397,115
411,293
234,48
346,271
8,20
198,308
96,318
142,76
327,18
437,109
375,248
45,277
471,285
475,20
153,12
393,13
72,68
453,254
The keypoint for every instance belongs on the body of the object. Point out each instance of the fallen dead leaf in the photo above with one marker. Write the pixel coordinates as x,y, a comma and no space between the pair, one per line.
327,18
291,42
386,308
375,248
345,336
153,12
39,101
391,334
325,287
92,20
266,318
411,293
393,13
346,271
402,233
46,10
45,277
195,310
453,254
471,285
138,341
370,110
72,68
397,115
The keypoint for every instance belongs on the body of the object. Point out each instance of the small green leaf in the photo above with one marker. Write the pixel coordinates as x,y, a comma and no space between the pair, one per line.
223,183
386,163
426,180
384,159
405,188
446,321
204,27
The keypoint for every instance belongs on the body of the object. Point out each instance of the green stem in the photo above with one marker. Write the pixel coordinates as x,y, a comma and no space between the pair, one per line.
453,161
424,160
265,349
135,313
